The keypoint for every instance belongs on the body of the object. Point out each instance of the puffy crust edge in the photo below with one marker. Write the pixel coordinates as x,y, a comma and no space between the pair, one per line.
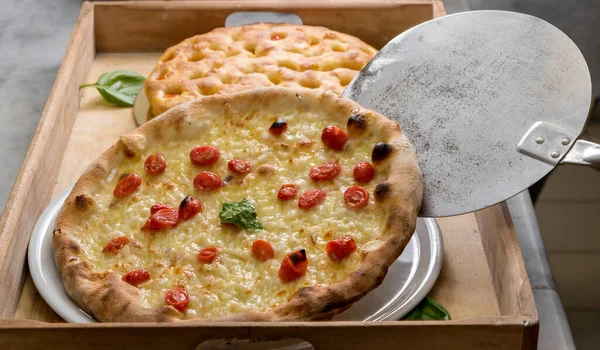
109,299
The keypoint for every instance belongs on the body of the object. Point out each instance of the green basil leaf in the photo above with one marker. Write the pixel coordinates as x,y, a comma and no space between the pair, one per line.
119,87
427,310
241,214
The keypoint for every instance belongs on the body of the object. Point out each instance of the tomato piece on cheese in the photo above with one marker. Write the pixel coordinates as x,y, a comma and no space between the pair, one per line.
177,298
262,250
136,277
334,137
278,127
115,244
363,172
159,206
239,166
189,207
207,255
340,249
155,164
287,191
311,198
207,181
327,171
204,155
127,185
293,266
356,197
162,219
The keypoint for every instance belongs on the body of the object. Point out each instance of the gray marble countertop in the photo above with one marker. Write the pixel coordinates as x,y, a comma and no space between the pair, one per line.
33,39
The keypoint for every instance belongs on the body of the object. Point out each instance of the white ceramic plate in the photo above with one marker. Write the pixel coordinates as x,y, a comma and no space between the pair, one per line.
408,280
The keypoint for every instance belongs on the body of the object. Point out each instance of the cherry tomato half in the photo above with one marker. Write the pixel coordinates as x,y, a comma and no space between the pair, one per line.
136,277
155,164
127,185
189,207
327,171
340,249
293,266
334,137
287,191
207,255
363,172
239,166
207,181
311,198
177,298
159,206
356,197
162,219
115,244
204,155
262,250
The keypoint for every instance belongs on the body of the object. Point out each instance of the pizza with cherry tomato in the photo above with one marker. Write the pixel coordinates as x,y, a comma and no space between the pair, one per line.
266,205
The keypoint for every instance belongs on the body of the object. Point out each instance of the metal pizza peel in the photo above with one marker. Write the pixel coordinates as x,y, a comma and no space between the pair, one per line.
490,100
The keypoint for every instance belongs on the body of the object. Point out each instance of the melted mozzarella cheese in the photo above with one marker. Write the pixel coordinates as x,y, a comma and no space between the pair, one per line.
236,281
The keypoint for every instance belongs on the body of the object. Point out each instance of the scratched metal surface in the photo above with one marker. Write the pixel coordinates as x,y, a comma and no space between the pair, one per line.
465,88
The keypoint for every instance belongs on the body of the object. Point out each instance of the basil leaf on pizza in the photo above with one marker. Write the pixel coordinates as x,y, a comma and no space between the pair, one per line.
242,214
336,187
119,87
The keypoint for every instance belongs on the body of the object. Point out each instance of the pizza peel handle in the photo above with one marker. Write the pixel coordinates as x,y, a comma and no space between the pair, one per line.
490,100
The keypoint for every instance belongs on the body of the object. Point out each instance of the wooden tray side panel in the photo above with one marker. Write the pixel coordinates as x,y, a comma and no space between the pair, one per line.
150,26
33,188
322,335
509,276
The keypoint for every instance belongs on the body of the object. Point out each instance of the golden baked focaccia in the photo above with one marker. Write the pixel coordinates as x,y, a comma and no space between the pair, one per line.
259,55
265,205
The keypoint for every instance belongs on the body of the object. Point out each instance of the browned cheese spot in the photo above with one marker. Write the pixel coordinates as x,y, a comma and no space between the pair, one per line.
305,143
265,169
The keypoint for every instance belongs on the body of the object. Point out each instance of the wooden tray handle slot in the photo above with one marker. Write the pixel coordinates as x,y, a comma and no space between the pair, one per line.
248,17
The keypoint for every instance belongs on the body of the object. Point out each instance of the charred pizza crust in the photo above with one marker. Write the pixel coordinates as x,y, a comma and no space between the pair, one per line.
108,298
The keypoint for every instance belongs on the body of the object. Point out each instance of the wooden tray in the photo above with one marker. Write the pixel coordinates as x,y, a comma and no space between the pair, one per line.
483,283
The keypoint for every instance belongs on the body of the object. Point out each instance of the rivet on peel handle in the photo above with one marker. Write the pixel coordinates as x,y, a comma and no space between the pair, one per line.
542,140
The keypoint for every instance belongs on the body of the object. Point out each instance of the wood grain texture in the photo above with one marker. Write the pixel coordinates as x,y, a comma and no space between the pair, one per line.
464,286
32,306
33,187
154,26
482,334
509,276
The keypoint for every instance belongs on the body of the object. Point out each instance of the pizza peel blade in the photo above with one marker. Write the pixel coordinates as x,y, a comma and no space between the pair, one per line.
490,100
